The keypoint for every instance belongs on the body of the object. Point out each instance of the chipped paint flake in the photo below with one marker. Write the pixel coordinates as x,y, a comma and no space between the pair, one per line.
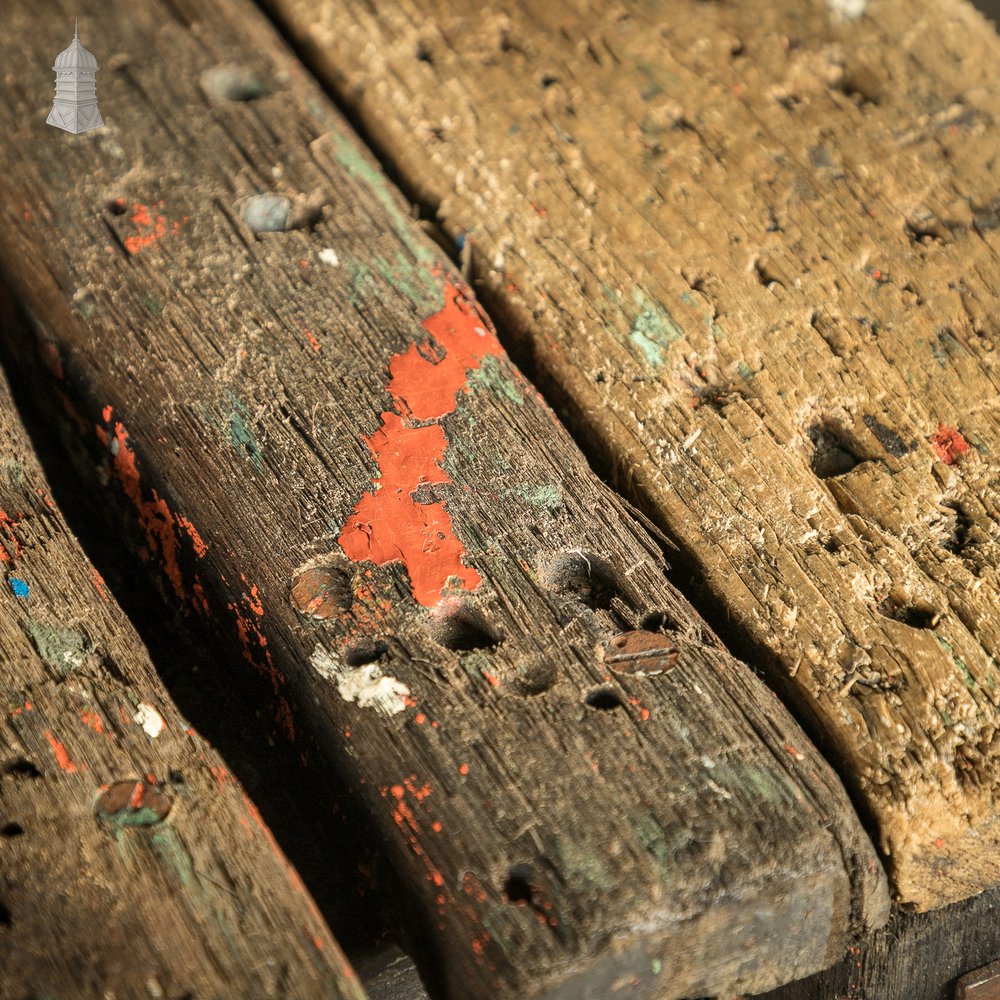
367,685
388,523
329,256
150,720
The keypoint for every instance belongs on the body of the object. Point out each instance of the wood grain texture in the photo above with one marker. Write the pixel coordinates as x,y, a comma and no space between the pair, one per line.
334,463
173,887
916,956
750,249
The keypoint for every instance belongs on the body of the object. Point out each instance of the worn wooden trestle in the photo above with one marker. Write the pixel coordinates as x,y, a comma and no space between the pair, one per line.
746,251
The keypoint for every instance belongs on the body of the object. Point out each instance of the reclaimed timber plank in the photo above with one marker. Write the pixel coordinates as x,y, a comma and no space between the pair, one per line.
750,251
335,464
915,956
131,862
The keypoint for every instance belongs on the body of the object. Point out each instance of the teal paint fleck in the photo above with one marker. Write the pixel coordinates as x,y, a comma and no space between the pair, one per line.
653,330
650,834
173,854
240,435
15,471
19,586
350,157
963,669
744,370
62,649
687,299
493,374
130,817
548,495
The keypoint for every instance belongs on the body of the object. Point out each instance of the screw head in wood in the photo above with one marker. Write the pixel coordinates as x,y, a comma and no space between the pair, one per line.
640,653
132,803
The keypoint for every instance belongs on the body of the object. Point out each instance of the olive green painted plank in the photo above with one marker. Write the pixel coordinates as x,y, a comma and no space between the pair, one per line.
335,465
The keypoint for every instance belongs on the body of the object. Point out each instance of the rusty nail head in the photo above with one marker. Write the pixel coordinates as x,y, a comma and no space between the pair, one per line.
640,653
980,984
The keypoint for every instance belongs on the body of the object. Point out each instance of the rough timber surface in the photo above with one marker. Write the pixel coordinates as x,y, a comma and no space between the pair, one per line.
335,464
751,251
916,956
174,888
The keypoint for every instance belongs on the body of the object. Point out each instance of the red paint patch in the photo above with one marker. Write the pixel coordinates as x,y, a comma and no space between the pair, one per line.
10,546
62,757
949,444
313,342
90,718
200,547
150,229
388,524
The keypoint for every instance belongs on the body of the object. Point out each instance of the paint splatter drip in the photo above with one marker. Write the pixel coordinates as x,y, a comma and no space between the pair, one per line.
388,523
949,444
19,587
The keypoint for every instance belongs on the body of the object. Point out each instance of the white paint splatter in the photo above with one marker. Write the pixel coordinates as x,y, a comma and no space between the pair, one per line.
329,256
149,719
367,685
848,9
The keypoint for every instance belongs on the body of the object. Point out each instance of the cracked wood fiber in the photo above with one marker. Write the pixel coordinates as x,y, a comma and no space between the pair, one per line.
131,862
335,465
751,251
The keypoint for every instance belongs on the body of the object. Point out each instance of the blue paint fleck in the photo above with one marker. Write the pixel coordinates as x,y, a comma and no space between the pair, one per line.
20,588
460,242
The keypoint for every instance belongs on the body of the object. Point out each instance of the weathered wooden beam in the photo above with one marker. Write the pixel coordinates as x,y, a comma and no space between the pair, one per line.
131,862
336,465
750,249
916,956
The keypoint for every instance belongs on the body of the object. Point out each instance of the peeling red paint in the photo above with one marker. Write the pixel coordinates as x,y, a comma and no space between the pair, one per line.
10,546
90,718
62,756
150,229
200,547
949,444
388,523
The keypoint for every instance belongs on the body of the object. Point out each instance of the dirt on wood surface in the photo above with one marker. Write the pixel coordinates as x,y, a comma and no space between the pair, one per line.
335,467
750,250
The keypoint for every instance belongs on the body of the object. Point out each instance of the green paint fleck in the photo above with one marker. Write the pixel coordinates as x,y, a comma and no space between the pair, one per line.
653,329
174,854
155,307
350,157
240,435
744,370
85,309
657,966
548,495
63,649
650,834
493,374
130,817
687,299
970,681
15,471
946,719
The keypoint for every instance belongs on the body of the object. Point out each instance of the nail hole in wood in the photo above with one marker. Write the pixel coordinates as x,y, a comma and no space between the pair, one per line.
603,699
365,653
834,454
658,621
584,576
10,830
116,206
23,768
462,627
913,614
517,885
6,920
